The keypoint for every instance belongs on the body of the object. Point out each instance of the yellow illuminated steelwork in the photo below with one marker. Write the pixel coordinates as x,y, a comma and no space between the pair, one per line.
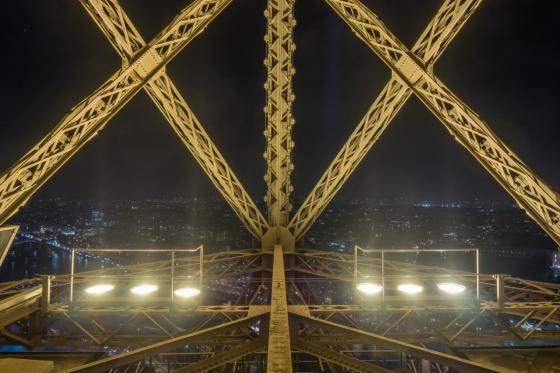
534,196
279,118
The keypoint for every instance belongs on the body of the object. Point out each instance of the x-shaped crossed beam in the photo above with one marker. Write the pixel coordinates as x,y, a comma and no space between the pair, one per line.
127,41
144,67
444,26
530,192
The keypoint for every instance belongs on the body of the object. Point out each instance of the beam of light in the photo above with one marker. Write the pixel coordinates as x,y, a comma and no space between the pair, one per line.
369,288
143,289
410,288
187,292
451,287
99,289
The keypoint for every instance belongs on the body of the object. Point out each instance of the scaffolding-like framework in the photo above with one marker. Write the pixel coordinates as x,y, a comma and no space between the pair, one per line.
266,308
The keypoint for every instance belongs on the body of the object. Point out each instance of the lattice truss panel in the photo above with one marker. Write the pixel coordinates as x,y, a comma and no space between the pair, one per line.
531,193
355,335
446,24
278,110
142,68
259,297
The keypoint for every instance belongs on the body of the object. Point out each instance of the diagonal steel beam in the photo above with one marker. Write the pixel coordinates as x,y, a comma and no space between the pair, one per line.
463,365
154,349
337,357
127,41
445,25
532,194
218,360
26,176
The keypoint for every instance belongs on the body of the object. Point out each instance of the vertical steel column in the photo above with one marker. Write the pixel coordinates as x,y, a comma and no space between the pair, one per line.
278,111
279,348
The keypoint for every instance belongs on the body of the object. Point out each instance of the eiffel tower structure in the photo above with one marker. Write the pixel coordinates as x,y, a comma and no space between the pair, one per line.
264,308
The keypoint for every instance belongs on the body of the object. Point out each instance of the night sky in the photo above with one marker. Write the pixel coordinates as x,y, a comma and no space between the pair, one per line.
503,64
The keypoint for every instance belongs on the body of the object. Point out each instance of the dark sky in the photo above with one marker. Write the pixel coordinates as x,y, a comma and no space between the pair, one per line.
503,64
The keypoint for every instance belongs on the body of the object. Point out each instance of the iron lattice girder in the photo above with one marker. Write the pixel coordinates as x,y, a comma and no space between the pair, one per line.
278,110
220,359
446,24
85,120
538,199
337,358
89,322
127,41
367,337
173,343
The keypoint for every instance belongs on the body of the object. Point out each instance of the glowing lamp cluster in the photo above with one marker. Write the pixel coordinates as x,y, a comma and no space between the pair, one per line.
142,290
451,288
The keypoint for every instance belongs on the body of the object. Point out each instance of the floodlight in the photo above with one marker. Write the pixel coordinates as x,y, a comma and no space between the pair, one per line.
99,289
410,288
369,288
143,289
187,292
451,287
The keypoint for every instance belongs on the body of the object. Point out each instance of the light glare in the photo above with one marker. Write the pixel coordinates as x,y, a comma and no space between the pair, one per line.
99,289
187,292
369,288
451,287
410,288
144,289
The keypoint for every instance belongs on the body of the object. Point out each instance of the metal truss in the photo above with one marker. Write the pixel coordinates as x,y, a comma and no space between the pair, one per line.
353,336
446,24
127,41
261,303
279,118
534,196
143,66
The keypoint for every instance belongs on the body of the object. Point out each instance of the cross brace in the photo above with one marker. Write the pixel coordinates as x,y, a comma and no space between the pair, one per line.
534,196
127,41
431,44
